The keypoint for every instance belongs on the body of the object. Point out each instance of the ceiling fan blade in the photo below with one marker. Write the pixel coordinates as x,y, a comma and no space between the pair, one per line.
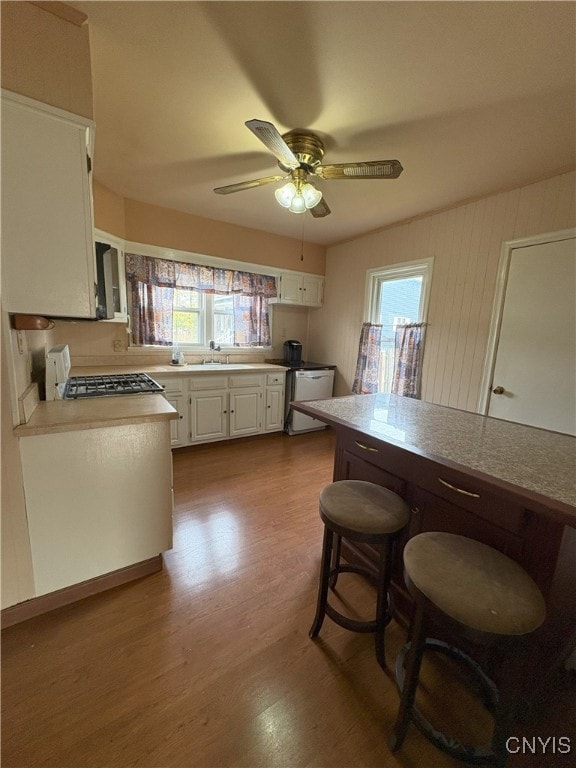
320,209
374,169
271,138
247,185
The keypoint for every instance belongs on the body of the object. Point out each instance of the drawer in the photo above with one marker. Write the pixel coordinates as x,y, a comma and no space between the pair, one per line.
464,490
245,380
473,495
435,513
173,384
275,378
208,382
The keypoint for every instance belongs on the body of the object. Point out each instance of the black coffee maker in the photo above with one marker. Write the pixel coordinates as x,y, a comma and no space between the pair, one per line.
292,352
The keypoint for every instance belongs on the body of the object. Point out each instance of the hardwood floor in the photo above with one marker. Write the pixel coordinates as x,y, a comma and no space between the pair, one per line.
208,664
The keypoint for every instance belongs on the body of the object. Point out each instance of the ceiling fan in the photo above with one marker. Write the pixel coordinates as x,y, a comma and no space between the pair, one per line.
299,154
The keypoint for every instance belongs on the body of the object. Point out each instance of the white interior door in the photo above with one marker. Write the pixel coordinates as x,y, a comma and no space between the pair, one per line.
534,380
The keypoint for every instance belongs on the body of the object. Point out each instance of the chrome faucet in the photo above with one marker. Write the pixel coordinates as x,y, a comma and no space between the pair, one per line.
213,349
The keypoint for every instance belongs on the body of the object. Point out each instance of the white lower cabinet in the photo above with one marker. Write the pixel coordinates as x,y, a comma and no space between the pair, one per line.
208,417
97,501
178,435
218,406
274,414
245,412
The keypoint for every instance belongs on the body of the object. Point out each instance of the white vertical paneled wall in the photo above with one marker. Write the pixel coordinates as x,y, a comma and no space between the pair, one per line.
466,245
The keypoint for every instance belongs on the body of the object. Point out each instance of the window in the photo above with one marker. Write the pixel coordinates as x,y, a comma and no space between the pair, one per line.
191,304
396,296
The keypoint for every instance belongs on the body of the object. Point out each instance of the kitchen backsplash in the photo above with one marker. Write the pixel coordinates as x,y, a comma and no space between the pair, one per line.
106,344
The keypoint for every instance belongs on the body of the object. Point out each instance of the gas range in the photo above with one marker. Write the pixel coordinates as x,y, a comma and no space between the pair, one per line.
110,385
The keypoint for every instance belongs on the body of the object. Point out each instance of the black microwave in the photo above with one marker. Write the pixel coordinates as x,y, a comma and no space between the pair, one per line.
107,283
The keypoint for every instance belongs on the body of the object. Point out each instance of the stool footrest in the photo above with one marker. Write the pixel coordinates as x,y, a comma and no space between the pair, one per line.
354,625
486,689
360,569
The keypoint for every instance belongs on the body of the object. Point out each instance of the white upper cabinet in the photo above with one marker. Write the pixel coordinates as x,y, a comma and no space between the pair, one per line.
301,289
47,239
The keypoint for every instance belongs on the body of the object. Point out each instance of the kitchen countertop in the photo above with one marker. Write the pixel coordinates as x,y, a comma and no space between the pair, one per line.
95,412
542,462
176,369
305,365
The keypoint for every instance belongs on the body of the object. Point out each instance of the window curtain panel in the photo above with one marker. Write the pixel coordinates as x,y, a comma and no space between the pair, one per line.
251,321
409,350
368,364
152,282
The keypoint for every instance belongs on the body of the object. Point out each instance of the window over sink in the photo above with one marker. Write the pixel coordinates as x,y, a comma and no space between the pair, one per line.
192,304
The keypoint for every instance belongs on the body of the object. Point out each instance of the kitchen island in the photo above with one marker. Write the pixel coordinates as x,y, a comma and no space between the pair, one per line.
510,486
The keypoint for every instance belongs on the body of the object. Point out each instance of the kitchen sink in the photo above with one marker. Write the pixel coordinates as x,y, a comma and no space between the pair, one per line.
218,366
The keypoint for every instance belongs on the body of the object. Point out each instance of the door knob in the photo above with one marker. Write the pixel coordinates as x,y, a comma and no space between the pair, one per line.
498,390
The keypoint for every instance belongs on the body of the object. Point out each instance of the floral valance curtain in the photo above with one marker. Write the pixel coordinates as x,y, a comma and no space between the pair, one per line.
152,283
180,274
409,350
368,364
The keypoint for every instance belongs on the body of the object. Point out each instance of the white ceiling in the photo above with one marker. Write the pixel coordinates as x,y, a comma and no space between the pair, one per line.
471,97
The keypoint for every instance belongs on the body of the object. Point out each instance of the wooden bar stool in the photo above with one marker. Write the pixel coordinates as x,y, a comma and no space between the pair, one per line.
361,512
487,599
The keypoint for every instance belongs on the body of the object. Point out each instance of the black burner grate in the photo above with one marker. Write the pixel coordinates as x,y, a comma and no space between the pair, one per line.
114,384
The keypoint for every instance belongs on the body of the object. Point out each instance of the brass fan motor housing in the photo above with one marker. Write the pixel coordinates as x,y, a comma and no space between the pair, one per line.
307,148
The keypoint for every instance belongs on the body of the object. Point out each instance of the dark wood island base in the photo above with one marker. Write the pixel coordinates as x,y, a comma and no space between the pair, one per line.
506,485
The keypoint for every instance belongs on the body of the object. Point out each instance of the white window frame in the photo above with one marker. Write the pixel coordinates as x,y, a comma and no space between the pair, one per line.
375,277
130,246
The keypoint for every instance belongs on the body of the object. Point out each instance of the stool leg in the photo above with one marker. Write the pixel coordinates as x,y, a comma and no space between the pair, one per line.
324,582
384,578
337,547
418,635
508,698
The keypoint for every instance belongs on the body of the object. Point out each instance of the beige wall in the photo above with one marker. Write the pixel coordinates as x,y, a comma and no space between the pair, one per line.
46,58
466,245
149,224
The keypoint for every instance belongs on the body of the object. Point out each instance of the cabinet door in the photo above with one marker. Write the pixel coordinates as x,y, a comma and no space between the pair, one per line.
178,426
274,416
245,412
290,289
208,416
47,248
312,290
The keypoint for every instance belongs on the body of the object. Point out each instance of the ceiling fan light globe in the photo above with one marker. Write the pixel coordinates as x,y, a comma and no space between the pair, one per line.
312,196
285,194
298,204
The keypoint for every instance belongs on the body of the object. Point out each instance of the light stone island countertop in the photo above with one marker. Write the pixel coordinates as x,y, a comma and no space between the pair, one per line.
526,457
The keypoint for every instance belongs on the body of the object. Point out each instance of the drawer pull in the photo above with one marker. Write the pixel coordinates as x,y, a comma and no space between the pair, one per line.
458,490
366,447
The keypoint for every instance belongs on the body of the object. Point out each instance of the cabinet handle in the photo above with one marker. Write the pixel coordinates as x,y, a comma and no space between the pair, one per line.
366,447
458,490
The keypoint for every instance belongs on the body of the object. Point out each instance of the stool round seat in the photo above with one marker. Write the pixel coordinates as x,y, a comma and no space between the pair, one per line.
487,599
362,512
474,584
363,508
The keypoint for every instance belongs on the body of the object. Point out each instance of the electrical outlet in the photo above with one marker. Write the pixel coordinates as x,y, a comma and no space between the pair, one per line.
118,346
21,342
